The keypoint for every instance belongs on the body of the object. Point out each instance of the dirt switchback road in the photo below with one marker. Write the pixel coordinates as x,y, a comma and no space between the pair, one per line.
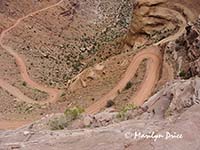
154,63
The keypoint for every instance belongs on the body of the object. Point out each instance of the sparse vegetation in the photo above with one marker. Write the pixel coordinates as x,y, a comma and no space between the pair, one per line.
73,113
122,114
24,83
182,74
24,108
63,94
59,123
168,113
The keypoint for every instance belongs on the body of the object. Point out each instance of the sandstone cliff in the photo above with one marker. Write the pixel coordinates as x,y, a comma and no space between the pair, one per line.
155,20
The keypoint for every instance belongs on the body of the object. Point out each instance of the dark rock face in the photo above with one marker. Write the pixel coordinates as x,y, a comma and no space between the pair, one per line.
193,40
195,68
154,20
185,51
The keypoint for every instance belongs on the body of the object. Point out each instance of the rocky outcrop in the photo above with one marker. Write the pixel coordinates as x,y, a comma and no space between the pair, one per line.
185,52
175,97
149,18
154,20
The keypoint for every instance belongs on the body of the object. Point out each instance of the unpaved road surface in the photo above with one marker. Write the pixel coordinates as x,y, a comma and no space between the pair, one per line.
8,124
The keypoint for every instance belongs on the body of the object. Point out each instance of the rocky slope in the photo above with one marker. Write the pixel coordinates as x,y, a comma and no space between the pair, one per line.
173,113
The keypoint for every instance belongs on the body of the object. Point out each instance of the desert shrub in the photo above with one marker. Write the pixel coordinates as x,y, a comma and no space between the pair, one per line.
24,83
182,74
122,114
61,122
63,94
110,103
168,113
128,85
58,123
73,113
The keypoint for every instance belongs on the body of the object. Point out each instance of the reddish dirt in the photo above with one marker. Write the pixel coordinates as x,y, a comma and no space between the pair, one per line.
11,124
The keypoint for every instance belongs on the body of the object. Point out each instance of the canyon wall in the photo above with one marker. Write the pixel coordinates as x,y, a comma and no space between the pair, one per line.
155,20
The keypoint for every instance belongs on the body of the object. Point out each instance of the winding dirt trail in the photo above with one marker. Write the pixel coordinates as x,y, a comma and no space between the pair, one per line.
154,63
181,27
53,93
152,72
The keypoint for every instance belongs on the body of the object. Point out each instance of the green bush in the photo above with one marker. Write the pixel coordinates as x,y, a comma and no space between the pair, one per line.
73,113
60,123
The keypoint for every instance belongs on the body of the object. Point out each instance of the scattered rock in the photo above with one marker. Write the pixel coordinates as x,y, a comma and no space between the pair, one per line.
87,121
99,67
185,51
26,133
83,83
92,75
